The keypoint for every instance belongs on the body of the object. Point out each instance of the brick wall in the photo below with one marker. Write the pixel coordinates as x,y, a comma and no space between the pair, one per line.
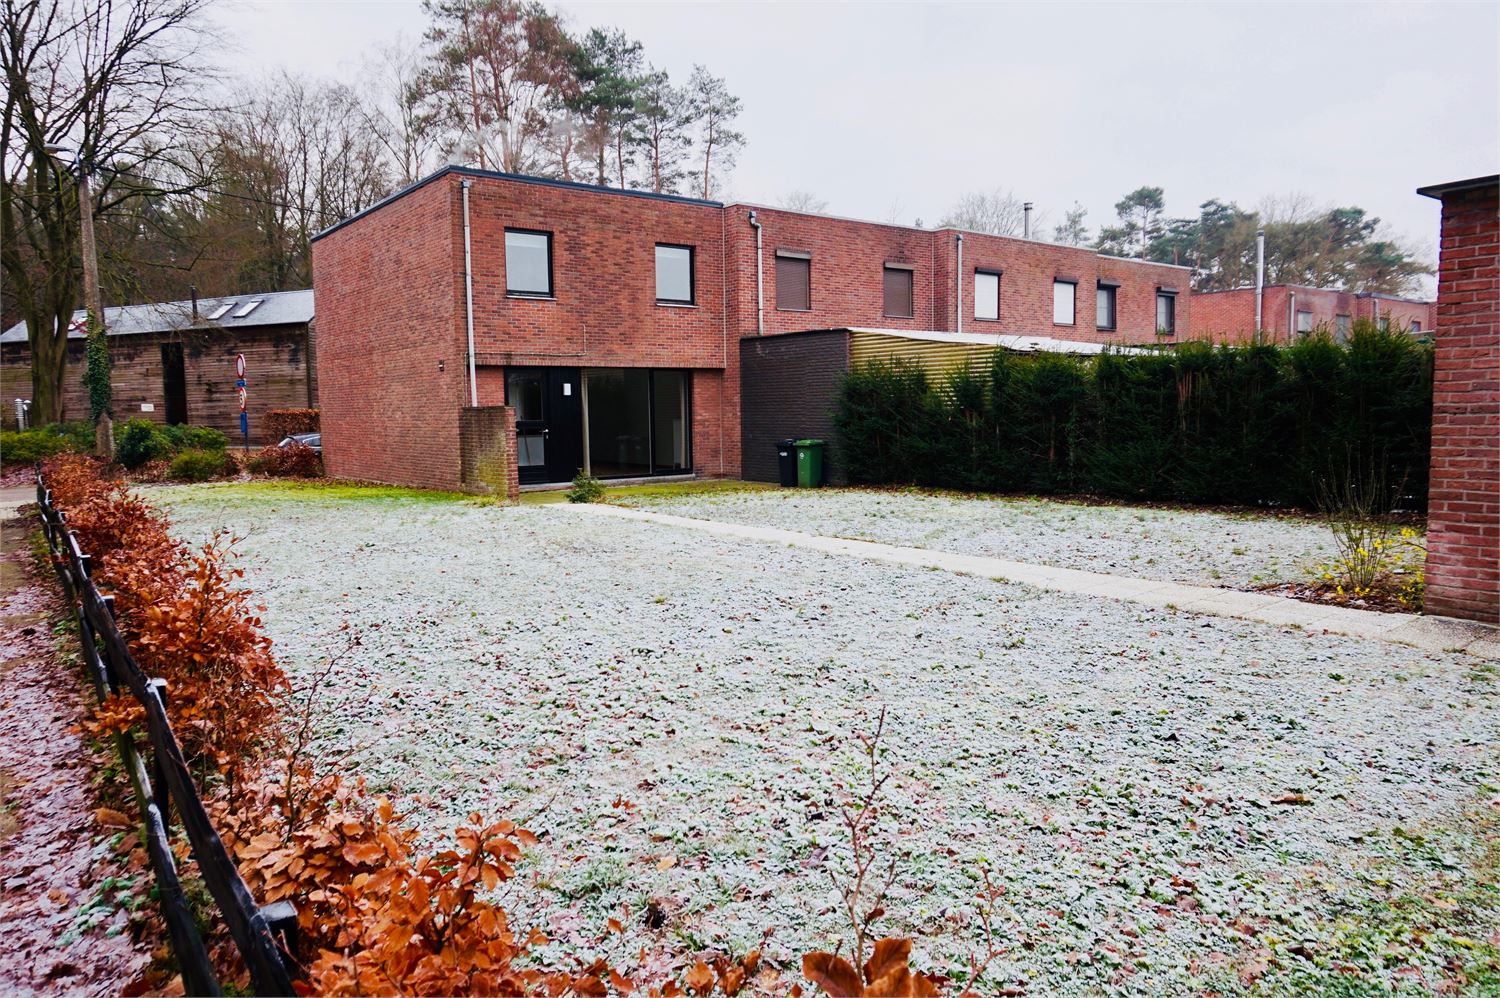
848,259
1463,527
787,386
391,370
487,450
276,360
1229,316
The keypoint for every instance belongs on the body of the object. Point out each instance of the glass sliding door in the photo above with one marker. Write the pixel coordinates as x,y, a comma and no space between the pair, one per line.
638,422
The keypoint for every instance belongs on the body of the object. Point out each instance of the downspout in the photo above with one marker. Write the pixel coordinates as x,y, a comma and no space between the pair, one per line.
1260,281
959,281
1291,317
760,278
469,299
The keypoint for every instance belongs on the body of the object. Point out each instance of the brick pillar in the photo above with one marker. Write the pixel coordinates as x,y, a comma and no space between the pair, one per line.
1463,525
487,450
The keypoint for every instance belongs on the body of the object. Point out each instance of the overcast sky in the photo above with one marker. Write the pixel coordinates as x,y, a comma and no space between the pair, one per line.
894,109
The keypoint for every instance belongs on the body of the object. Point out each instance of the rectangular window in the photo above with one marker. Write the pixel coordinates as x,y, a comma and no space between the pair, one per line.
528,263
1064,302
639,421
1341,327
1416,326
793,281
898,303
986,294
1304,321
674,274
1166,313
1104,308
1385,324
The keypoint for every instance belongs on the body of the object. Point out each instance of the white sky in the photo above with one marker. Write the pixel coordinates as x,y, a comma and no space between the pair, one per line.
885,108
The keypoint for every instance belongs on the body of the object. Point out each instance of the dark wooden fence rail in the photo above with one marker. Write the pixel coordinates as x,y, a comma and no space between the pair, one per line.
166,784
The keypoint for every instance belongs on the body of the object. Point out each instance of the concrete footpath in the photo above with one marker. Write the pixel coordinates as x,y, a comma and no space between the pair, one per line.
1427,633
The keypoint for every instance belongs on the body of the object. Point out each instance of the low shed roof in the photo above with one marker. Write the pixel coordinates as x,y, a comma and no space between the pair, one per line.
276,308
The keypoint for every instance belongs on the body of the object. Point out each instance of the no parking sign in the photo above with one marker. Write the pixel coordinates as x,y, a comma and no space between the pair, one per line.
239,383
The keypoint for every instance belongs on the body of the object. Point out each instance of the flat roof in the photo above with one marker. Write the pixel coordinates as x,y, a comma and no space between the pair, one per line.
1455,186
1386,296
1006,341
521,178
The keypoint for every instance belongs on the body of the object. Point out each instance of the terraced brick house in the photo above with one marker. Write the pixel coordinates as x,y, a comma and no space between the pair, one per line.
477,319
1291,310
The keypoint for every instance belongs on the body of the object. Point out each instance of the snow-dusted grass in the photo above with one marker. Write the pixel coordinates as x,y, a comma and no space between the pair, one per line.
674,714
1238,550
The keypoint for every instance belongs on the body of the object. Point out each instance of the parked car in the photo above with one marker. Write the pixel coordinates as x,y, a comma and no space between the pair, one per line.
313,440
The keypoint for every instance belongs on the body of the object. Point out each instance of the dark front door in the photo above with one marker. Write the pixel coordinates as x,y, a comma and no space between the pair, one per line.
549,424
174,383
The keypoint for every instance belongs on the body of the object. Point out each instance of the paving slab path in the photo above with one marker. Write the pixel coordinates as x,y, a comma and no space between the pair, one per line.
1427,633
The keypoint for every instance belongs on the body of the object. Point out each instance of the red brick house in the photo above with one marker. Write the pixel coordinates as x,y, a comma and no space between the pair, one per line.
1463,521
607,323
1292,310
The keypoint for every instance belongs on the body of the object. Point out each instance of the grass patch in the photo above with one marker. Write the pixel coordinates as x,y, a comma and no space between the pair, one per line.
321,489
664,490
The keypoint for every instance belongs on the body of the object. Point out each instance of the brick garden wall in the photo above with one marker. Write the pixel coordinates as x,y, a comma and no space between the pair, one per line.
1463,527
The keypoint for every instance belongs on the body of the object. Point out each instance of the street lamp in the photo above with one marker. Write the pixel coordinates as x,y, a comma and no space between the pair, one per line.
104,442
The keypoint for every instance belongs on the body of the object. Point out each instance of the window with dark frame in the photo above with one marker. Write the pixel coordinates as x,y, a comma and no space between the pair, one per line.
528,263
1064,302
1104,307
1166,313
674,274
898,293
793,281
987,294
1304,321
1341,324
1416,326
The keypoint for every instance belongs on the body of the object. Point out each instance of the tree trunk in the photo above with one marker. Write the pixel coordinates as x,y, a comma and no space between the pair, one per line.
49,356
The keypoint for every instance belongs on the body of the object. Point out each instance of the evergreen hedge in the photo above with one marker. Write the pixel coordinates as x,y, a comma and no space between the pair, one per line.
1242,425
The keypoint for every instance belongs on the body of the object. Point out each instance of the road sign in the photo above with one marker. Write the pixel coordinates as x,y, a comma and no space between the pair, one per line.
241,384
239,366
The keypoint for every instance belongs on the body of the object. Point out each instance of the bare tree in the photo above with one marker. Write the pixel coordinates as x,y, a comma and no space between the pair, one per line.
997,212
403,115
802,201
113,80
293,157
712,108
499,66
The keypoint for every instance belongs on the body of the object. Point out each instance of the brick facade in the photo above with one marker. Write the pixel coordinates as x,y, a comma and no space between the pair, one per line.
1229,316
390,288
1463,526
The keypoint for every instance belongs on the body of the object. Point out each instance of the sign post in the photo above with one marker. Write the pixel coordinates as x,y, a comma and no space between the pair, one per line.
239,382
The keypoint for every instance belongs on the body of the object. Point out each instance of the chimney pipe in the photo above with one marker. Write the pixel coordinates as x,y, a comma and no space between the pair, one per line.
1026,220
193,290
1260,280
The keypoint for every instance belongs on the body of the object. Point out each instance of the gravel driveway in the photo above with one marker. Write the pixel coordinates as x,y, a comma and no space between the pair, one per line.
1170,802
1205,548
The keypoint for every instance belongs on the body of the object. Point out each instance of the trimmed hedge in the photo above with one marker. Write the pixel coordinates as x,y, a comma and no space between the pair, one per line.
282,423
195,465
1242,425
26,446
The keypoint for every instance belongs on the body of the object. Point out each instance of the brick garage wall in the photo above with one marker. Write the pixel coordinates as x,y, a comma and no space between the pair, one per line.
390,352
788,385
276,359
1463,526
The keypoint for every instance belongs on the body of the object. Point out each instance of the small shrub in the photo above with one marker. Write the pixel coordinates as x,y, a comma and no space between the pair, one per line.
79,434
291,461
139,441
282,423
196,465
196,438
30,445
586,488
